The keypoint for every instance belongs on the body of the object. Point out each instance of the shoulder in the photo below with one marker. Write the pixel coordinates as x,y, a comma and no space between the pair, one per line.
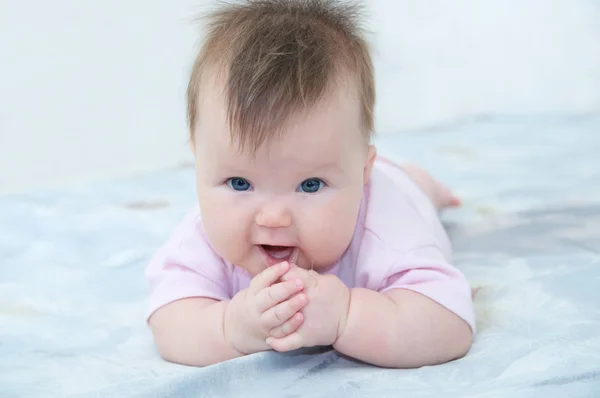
188,241
186,253
398,215
403,244
186,266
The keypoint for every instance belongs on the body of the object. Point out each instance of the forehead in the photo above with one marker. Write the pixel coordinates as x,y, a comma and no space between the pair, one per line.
332,127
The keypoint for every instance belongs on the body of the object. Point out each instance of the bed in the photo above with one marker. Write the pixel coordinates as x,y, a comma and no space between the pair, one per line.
73,296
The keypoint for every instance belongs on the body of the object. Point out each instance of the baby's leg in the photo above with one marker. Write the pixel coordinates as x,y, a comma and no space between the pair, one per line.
440,195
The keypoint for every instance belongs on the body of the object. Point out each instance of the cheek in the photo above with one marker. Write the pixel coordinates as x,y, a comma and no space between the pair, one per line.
225,223
328,230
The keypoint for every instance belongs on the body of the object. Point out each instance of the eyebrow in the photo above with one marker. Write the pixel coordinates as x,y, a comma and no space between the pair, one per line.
228,166
329,166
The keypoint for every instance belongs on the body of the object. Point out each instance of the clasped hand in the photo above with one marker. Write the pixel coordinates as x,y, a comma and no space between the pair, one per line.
285,308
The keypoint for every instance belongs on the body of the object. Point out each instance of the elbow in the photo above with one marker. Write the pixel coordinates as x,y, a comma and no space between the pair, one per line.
183,360
462,343
175,348
458,344
455,347
189,340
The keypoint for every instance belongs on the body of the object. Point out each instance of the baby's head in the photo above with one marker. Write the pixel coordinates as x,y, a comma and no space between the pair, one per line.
280,109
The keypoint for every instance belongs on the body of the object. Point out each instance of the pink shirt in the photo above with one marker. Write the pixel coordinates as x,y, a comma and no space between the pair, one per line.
399,242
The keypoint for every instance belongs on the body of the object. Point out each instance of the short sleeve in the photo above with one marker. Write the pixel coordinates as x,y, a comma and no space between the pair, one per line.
425,270
186,266
404,245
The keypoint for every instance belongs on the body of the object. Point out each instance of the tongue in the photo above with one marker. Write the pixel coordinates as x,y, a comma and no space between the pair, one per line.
279,252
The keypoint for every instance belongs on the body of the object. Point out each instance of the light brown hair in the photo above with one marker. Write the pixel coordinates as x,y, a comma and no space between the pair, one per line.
281,56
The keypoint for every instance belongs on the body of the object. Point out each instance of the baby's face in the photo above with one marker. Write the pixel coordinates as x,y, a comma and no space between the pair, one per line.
297,198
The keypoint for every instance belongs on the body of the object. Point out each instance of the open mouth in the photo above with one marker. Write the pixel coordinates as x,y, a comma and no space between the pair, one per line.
277,254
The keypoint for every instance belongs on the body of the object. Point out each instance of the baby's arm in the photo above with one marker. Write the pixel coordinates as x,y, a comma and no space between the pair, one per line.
401,329
190,332
203,331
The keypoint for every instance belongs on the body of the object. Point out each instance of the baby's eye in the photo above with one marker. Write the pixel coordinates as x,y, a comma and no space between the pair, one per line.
238,184
311,185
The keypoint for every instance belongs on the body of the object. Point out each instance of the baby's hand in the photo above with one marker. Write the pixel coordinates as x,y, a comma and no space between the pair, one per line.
264,308
324,315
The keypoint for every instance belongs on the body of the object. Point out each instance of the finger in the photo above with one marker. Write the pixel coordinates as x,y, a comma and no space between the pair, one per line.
267,277
274,294
288,343
295,272
280,313
289,326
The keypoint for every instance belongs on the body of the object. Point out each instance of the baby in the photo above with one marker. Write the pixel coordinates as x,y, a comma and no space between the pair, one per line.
303,236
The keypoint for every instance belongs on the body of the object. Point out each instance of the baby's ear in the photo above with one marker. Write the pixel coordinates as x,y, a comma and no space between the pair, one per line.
369,160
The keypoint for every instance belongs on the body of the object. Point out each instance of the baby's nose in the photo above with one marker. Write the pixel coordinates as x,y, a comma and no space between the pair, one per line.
273,216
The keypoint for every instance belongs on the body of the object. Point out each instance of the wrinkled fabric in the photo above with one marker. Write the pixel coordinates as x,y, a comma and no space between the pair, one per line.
73,297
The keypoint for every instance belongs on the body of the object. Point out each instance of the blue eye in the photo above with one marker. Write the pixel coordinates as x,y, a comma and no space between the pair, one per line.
311,185
238,184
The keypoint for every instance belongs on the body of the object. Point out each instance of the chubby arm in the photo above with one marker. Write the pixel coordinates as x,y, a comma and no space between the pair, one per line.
203,331
401,329
190,332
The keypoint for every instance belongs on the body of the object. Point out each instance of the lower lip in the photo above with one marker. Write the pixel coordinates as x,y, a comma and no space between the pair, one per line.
271,261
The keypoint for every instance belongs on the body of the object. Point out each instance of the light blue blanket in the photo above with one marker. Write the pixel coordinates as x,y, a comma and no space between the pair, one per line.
72,293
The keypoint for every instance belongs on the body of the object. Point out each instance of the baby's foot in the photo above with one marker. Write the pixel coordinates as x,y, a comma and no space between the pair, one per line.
440,195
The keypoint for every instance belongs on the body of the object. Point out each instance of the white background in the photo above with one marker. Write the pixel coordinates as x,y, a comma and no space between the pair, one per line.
96,89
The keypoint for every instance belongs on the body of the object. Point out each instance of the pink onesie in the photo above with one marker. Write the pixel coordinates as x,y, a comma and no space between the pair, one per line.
399,242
